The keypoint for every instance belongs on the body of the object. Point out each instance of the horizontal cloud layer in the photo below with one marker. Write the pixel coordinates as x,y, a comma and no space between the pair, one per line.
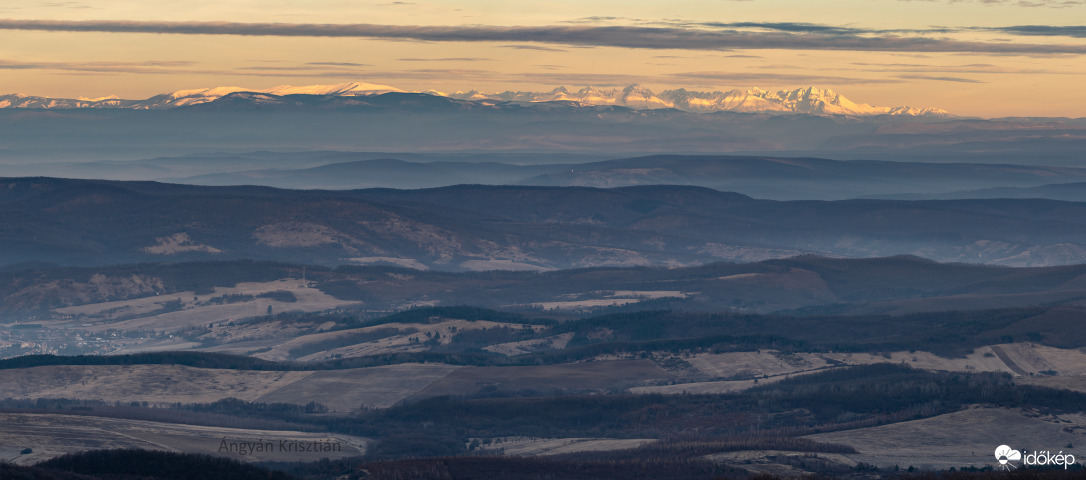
602,36
1077,31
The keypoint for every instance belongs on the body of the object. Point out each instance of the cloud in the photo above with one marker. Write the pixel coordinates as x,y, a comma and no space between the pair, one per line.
594,79
1016,3
453,59
72,5
1051,4
534,47
314,70
747,78
338,64
800,27
305,70
164,67
153,66
893,65
317,70
574,35
793,27
602,19
941,79
1077,31
968,68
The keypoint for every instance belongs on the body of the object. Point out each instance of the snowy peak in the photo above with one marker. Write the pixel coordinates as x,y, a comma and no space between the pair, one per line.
182,98
816,101
28,101
344,89
636,96
807,100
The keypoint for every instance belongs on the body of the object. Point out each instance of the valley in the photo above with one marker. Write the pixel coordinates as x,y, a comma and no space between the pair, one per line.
564,365
465,240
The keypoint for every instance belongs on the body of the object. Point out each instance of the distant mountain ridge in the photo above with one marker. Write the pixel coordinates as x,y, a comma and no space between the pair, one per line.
196,96
764,177
808,100
476,227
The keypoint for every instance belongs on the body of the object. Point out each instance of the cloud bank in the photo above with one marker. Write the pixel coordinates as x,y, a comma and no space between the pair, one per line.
576,35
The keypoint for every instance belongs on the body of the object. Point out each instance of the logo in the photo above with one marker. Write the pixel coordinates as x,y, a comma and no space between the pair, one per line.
1006,456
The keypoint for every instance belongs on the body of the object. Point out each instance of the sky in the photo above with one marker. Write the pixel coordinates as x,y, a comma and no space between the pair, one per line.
989,58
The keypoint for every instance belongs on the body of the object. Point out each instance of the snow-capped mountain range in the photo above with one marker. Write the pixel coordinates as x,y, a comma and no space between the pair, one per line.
183,98
807,100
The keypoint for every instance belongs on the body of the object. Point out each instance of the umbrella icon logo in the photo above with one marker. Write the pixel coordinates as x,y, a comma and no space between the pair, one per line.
1005,454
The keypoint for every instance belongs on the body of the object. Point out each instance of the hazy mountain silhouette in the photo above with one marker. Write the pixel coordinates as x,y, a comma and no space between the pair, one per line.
481,227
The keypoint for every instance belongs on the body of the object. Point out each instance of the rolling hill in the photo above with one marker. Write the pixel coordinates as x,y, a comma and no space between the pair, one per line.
776,178
84,222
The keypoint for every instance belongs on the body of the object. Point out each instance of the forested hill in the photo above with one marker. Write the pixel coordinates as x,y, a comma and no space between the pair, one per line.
85,222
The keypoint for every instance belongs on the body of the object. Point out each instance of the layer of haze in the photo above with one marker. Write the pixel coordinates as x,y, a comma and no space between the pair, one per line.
983,57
